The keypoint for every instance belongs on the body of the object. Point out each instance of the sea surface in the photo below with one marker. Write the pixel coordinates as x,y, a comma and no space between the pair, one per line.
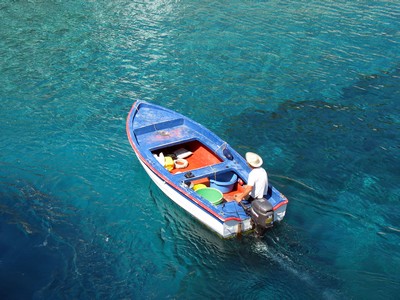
312,86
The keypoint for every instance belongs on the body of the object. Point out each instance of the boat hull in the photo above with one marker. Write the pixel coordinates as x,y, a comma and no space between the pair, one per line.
153,130
225,229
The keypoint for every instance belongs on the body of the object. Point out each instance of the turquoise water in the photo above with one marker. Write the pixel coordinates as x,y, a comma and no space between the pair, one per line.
312,86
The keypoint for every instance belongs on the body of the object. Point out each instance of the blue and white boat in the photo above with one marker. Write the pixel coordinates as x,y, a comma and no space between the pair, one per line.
198,170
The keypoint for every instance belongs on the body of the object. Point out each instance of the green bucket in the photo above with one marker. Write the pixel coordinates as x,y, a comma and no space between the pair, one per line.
211,194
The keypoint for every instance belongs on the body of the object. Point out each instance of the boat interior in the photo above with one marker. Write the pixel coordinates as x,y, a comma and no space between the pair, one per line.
195,156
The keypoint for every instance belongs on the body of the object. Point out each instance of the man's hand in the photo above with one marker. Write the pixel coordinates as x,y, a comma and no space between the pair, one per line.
237,197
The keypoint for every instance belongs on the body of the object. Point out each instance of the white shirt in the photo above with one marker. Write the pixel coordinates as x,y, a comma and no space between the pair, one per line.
258,179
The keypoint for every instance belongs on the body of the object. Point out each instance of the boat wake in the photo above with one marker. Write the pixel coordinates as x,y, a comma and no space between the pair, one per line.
287,264
284,262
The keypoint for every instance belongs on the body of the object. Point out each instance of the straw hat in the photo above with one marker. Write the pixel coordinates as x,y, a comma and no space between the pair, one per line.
254,160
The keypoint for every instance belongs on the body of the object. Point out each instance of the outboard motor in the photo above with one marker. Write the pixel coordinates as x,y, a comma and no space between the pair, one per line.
262,215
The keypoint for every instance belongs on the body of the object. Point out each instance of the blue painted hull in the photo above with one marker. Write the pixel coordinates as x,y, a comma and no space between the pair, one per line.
154,131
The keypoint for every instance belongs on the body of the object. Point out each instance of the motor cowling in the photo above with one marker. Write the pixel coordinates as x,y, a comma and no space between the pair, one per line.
262,213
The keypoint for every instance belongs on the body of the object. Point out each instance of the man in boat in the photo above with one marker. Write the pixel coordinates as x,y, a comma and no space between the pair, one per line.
257,183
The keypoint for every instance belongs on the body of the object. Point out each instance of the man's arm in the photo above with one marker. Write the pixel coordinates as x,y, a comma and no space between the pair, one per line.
244,194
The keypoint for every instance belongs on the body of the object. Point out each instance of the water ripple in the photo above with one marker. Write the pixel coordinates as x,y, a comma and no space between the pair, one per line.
311,86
